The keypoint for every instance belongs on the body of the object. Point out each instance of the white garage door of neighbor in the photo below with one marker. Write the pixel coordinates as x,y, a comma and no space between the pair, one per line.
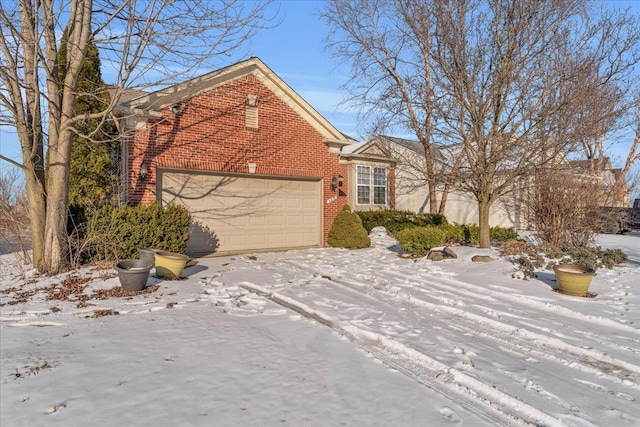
246,213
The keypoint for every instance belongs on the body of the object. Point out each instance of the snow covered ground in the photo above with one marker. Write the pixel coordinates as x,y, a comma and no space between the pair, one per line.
324,337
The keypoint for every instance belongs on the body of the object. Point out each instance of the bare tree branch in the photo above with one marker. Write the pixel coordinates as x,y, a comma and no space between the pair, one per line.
143,44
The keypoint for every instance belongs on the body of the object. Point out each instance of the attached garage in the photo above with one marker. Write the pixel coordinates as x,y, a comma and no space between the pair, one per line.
240,213
257,166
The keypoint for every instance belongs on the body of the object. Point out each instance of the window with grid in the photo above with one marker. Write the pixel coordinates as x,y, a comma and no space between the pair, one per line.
379,186
372,185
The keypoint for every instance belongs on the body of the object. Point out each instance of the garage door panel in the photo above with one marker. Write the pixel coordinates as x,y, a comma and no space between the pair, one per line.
276,221
308,220
258,221
247,213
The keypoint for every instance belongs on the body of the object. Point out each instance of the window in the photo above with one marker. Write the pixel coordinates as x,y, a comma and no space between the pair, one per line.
372,185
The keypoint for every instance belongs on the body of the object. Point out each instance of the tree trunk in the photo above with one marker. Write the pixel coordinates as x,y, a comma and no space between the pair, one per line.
443,199
61,113
55,234
36,209
433,201
30,132
483,222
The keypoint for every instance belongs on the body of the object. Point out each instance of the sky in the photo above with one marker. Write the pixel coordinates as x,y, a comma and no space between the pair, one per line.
294,50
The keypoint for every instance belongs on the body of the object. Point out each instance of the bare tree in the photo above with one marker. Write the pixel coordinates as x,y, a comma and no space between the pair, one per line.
567,210
14,227
504,83
142,43
520,74
389,45
633,155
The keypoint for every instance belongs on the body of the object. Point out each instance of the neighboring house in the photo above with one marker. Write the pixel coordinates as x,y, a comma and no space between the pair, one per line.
602,169
256,165
412,193
511,210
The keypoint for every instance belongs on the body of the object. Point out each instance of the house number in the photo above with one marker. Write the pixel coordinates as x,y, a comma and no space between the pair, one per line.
332,199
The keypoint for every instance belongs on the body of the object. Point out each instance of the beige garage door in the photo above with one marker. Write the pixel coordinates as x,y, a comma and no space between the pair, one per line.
236,213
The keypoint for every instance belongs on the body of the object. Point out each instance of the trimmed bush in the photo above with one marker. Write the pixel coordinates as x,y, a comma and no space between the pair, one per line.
517,251
395,221
118,232
419,240
347,231
502,234
471,233
613,257
453,233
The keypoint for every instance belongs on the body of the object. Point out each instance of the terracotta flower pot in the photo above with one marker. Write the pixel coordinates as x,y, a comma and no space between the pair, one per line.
169,265
133,274
573,279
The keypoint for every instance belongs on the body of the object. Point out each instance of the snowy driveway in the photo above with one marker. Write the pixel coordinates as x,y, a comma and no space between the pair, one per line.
456,342
507,348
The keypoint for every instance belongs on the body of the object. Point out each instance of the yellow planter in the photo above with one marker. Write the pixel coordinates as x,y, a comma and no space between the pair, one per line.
573,280
169,265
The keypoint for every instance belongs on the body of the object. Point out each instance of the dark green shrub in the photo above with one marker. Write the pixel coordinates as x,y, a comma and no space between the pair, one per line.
419,240
453,233
503,234
347,231
585,256
118,232
77,216
612,257
554,252
471,234
524,264
395,221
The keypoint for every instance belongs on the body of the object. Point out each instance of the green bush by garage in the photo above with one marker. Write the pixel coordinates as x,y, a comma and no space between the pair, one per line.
347,231
394,221
419,240
116,232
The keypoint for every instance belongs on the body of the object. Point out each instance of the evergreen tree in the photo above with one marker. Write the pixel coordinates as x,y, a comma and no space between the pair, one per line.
92,174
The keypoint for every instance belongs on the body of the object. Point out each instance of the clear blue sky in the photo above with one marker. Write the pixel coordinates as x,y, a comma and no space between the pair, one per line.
295,51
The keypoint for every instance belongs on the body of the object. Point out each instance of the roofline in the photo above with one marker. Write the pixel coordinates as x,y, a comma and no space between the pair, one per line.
163,98
370,157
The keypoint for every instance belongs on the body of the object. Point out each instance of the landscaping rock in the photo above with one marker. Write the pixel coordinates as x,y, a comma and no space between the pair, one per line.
435,255
481,258
448,253
441,253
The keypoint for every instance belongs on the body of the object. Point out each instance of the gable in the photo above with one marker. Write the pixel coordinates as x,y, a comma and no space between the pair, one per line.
149,106
373,149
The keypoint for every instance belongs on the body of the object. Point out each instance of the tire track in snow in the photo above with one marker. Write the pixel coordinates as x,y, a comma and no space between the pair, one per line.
452,292
513,339
584,358
484,400
523,300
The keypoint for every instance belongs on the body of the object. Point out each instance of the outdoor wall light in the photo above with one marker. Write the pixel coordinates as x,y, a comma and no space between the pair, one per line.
334,183
175,109
144,170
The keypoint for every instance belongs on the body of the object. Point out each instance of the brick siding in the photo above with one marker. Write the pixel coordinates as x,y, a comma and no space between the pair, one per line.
208,133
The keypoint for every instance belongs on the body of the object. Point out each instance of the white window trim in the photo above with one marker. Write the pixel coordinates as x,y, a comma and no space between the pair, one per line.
371,185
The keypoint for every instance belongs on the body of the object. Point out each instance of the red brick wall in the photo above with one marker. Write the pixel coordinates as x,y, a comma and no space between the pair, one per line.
208,133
